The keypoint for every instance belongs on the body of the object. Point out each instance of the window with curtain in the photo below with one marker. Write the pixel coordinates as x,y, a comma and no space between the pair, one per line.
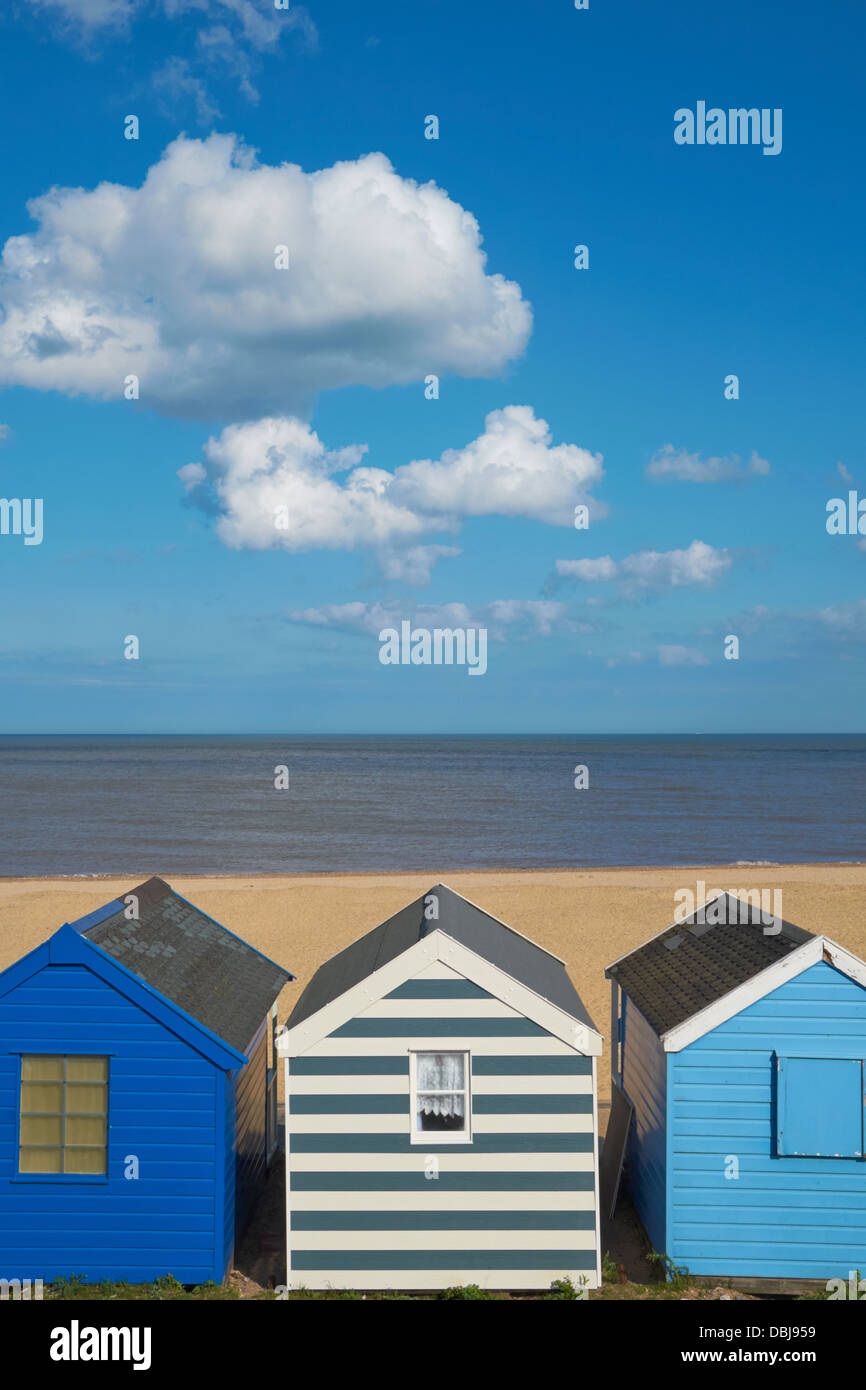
440,1099
64,1115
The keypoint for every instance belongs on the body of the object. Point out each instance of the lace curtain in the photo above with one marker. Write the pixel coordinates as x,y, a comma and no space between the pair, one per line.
441,1072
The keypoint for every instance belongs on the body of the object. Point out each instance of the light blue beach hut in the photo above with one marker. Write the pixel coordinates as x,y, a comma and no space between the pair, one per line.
740,1041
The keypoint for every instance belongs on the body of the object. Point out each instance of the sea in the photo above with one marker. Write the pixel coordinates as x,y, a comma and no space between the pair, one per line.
82,805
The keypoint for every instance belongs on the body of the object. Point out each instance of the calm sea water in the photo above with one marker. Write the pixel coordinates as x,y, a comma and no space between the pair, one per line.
81,805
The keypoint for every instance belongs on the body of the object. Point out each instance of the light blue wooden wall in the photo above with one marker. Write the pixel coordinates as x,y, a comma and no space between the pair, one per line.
782,1217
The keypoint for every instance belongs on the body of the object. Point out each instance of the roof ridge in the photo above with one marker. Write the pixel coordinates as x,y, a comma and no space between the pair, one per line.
506,925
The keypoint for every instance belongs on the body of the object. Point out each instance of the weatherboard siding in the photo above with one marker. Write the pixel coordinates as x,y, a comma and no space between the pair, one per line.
516,1208
229,1173
644,1080
788,1217
162,1110
250,1136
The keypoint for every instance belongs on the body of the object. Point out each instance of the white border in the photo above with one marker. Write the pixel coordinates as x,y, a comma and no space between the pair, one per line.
800,959
445,1136
438,946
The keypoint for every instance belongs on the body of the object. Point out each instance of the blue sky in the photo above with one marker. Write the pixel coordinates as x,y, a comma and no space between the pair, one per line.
155,256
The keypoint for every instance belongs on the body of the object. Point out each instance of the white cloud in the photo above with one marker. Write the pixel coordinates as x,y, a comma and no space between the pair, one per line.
236,35
256,22
846,619
175,80
590,571
251,471
628,659
414,566
681,656
844,473
679,463
5,432
89,14
522,617
700,564
175,282
512,469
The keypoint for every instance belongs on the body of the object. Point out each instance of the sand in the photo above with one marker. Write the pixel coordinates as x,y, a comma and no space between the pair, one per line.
588,917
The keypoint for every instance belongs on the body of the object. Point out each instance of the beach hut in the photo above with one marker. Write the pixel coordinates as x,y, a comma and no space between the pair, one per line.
741,1046
441,1111
137,1099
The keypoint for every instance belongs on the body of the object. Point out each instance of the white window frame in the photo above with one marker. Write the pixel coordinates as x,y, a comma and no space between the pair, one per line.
429,1137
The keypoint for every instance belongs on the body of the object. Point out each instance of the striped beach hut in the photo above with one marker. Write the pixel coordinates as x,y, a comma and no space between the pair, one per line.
137,1094
441,1112
742,1046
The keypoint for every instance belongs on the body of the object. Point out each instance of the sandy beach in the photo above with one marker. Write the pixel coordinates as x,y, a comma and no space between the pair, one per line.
588,917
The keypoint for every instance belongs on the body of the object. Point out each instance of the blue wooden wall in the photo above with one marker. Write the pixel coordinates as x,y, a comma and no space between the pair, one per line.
166,1106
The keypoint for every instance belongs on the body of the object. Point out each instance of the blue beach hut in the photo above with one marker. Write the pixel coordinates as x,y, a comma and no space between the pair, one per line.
137,1096
740,1041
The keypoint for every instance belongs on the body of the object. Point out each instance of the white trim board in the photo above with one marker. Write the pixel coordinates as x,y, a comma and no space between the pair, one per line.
820,948
438,946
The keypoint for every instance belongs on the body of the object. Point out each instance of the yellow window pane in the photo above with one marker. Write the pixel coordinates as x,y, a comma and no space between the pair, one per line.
84,1160
86,1068
85,1100
41,1068
85,1131
38,1160
41,1129
41,1098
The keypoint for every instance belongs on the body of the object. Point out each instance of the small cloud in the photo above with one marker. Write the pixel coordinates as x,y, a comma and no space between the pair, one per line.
700,564
590,571
681,656
5,432
83,17
845,619
503,617
628,659
843,473
670,463
174,82
414,566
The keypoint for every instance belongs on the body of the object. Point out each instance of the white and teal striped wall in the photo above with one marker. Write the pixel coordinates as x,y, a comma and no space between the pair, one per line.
514,1209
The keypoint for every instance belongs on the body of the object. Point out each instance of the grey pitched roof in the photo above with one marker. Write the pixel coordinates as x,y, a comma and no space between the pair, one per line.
692,964
189,958
531,965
